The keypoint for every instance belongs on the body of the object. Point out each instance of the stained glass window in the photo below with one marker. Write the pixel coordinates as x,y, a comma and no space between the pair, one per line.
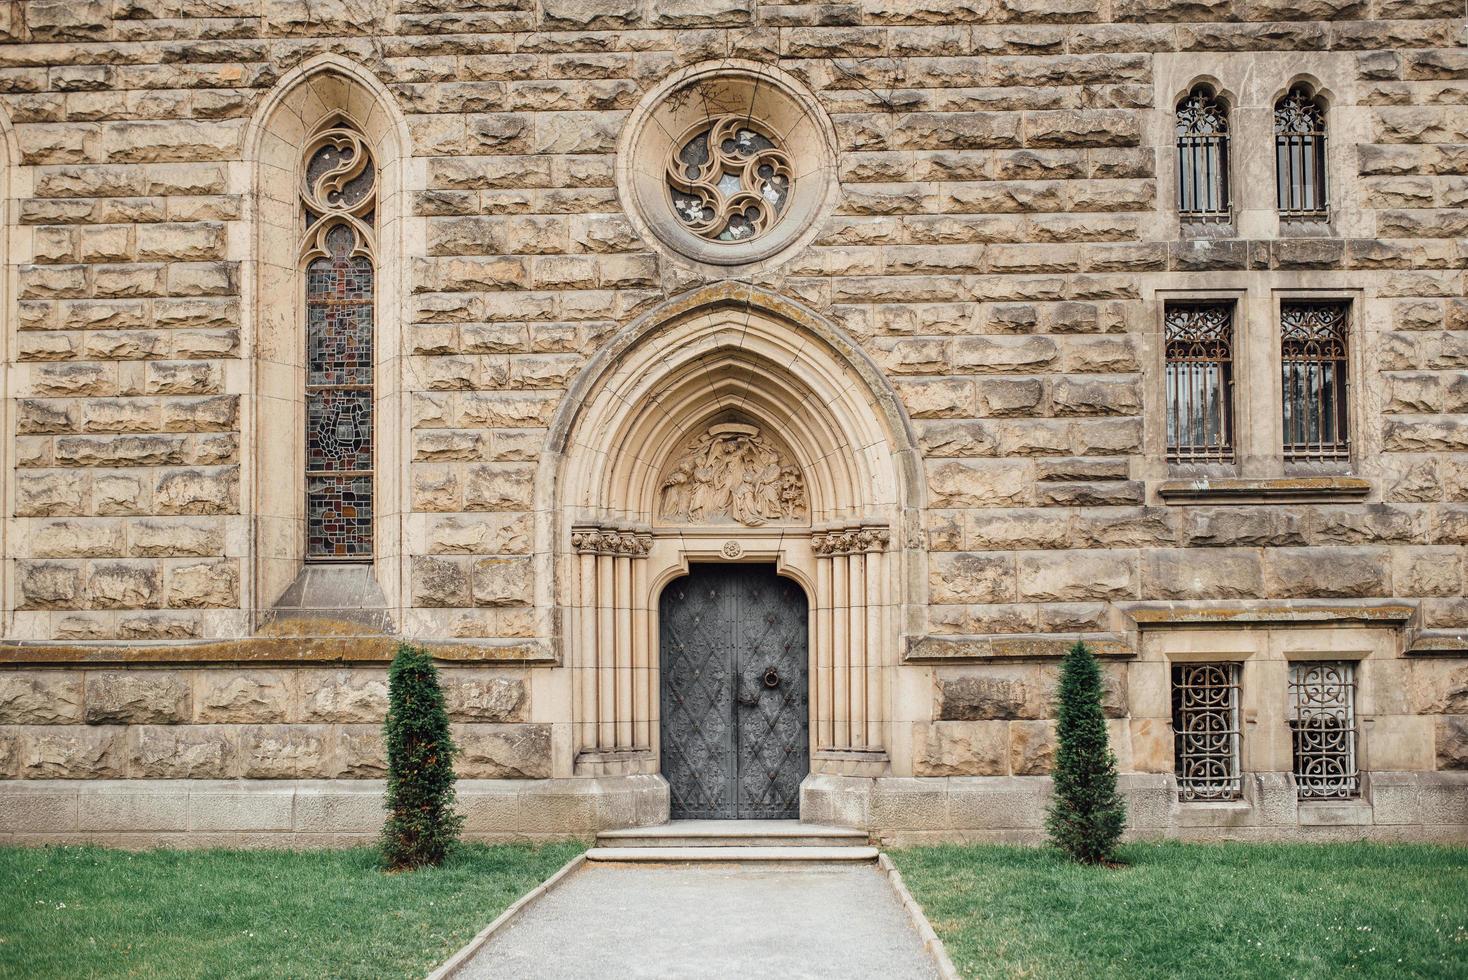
338,196
1202,156
1200,379
1314,377
1299,150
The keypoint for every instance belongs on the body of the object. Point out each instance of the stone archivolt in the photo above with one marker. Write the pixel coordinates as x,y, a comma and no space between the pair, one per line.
732,473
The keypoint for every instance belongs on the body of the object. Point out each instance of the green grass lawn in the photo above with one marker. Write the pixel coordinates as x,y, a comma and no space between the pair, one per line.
88,912
1176,910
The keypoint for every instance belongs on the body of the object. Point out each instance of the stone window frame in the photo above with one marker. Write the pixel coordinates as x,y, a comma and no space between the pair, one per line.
1154,424
1354,299
1202,224
1258,388
1320,144
319,91
1264,652
1254,81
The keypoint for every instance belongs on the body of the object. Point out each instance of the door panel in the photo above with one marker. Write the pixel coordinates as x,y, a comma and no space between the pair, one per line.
735,716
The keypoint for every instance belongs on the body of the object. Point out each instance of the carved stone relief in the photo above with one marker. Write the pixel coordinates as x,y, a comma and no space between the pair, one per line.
731,474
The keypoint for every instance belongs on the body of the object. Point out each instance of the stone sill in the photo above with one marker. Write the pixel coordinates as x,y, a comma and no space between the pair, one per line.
268,650
932,649
1163,616
1231,490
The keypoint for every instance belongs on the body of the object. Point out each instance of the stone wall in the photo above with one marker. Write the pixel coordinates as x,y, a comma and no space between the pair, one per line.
1002,243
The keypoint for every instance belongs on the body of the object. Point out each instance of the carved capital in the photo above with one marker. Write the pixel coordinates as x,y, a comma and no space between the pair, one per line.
610,541
860,539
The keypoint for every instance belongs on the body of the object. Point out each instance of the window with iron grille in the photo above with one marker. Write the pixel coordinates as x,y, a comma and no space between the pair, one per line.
338,197
1323,729
1205,726
1313,348
1202,156
1299,152
1200,382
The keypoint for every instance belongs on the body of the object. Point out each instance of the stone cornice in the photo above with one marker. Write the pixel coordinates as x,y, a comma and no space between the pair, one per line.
1230,490
288,650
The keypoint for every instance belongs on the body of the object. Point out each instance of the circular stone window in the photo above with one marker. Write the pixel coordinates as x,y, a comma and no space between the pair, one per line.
728,166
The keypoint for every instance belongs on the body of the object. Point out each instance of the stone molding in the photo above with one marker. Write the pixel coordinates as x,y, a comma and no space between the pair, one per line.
1302,489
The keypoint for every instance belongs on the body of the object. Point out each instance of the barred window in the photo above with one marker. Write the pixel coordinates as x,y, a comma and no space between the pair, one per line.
1313,339
338,195
1205,725
1200,382
1202,156
1323,729
1299,151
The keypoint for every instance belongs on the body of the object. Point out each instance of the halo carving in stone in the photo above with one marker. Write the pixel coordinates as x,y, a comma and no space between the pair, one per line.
732,474
729,180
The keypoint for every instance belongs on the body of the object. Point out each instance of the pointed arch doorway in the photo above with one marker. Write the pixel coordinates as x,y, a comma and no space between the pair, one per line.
734,701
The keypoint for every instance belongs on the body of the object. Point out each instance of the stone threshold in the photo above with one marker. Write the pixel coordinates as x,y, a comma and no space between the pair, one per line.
1235,490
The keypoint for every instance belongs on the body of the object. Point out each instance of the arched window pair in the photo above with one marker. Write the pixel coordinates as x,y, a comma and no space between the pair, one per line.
338,198
1203,192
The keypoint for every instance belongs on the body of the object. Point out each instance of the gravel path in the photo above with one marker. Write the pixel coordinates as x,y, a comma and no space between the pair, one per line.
624,921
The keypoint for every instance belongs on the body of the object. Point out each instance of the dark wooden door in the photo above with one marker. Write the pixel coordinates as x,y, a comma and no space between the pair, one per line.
735,721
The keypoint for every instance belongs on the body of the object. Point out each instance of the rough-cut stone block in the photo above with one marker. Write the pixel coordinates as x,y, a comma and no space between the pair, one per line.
182,751
1327,572
351,696
996,693
1451,740
360,751
71,752
243,696
285,751
1031,748
502,582
961,748
137,697
503,751
40,697
484,695
1069,575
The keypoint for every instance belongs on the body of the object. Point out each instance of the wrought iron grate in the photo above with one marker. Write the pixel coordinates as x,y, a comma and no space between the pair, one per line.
1323,729
1299,149
1202,157
1315,379
1205,724
1200,382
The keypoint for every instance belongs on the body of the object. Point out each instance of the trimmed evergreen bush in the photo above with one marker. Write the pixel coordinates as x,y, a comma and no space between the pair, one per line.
1086,815
422,825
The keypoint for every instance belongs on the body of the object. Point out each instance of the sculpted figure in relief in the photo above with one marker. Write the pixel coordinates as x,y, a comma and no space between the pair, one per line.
730,473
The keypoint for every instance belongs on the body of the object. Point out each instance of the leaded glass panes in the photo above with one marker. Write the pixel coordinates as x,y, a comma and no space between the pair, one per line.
1299,150
338,196
1205,725
1323,729
1199,377
1313,338
1202,156
729,180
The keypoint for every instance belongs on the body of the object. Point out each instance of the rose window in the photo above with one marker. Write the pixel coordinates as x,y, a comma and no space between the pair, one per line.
729,181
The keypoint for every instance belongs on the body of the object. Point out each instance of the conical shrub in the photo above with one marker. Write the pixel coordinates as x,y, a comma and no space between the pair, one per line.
422,825
1086,815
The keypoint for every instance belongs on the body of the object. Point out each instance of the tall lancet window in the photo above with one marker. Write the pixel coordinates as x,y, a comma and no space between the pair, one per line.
1299,154
1202,156
339,197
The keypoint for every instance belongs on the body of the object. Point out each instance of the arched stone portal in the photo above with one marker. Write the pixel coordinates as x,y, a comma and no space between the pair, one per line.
732,425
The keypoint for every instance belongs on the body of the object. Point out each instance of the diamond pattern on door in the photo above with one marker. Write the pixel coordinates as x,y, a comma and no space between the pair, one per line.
735,720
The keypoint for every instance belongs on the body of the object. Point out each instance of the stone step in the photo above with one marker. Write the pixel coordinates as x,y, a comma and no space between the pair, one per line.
683,855
734,833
